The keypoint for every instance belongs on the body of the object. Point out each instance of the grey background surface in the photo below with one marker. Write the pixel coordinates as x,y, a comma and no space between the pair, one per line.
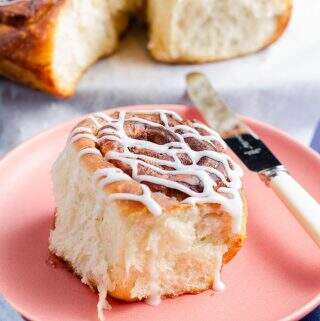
280,85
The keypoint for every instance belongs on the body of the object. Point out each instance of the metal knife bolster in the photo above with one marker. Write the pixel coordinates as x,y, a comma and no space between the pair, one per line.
267,174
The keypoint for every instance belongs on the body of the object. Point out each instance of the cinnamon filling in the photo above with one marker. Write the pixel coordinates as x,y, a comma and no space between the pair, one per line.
154,131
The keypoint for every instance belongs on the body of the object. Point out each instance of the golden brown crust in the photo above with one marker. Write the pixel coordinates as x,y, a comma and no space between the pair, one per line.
18,13
120,293
282,23
26,43
124,293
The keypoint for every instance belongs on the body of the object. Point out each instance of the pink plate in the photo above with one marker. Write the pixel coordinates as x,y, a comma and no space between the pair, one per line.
275,276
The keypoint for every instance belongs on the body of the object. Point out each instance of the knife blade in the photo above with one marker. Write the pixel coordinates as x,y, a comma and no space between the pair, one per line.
254,153
238,136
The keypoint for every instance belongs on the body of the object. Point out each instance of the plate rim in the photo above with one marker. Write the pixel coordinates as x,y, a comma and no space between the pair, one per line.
295,315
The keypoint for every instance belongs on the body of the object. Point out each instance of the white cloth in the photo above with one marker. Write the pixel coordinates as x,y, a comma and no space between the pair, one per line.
280,85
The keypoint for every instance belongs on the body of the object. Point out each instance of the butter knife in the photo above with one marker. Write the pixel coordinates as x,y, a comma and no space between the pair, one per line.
255,155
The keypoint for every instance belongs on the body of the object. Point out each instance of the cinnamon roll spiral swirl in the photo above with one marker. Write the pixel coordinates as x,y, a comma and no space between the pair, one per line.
179,158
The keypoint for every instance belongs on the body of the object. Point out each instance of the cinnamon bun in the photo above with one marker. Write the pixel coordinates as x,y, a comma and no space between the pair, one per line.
148,205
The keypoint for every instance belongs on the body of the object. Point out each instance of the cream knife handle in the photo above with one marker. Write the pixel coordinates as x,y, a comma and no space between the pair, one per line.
300,203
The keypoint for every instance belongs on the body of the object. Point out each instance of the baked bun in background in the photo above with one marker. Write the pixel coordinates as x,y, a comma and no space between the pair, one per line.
48,44
209,30
148,206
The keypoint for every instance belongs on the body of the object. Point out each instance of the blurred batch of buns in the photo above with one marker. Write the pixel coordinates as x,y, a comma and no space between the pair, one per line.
48,44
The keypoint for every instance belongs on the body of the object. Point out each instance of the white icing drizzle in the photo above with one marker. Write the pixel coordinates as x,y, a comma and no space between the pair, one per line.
218,284
228,197
109,175
94,121
89,150
79,130
112,174
102,302
79,136
146,198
